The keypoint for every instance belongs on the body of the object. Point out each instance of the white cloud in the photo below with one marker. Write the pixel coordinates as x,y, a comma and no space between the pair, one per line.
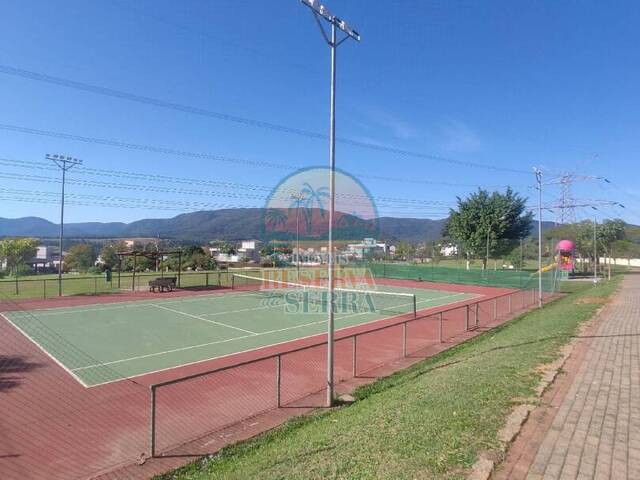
458,137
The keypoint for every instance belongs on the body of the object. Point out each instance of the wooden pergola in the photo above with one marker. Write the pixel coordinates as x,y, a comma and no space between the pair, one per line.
151,256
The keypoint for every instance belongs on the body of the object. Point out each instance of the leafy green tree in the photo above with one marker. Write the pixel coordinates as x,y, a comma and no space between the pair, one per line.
609,232
515,258
108,255
489,222
80,257
16,251
405,250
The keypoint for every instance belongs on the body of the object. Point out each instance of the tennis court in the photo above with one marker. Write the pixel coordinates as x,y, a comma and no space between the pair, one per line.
103,343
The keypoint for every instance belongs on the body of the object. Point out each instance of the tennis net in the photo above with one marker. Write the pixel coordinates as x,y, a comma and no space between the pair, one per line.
346,300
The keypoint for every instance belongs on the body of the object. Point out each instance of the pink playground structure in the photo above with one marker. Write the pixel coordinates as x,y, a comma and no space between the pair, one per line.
566,257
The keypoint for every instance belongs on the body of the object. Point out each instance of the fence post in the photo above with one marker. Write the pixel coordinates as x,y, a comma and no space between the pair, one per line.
404,339
466,318
152,439
533,296
278,379
355,355
440,327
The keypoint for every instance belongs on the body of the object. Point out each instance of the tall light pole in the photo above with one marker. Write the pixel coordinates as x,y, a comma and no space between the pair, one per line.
64,163
538,174
320,12
595,247
299,197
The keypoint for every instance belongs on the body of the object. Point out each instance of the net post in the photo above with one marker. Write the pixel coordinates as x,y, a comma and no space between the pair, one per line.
206,279
404,339
495,308
152,433
354,355
477,314
44,289
233,281
466,318
509,303
440,327
415,307
278,380
95,286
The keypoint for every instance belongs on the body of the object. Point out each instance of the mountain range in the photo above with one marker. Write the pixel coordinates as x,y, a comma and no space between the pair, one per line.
225,224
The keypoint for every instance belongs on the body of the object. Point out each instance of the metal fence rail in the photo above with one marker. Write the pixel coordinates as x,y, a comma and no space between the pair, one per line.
191,407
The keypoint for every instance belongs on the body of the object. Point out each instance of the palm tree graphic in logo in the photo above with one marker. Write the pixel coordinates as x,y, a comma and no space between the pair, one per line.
314,199
275,218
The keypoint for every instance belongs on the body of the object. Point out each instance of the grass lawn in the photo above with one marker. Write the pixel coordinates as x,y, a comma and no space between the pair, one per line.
429,421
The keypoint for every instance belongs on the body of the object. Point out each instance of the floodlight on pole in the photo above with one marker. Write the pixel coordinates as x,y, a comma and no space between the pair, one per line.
64,163
321,12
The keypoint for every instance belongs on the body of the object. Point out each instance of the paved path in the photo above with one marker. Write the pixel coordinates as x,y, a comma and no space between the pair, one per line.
596,432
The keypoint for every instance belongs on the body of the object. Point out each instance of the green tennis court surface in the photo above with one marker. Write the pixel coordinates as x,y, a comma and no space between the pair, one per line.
103,343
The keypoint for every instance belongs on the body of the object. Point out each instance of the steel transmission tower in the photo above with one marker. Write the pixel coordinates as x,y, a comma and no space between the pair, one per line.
566,211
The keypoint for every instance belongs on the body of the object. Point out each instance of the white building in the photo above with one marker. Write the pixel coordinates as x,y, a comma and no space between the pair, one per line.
368,248
449,250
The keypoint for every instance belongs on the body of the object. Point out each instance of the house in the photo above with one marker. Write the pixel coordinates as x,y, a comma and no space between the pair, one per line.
250,249
368,248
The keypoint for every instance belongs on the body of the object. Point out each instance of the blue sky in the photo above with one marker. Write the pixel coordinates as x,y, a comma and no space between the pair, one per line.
510,84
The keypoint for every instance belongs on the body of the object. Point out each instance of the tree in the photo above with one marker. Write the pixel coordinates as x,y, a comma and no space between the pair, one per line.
609,232
109,254
405,250
80,257
16,251
490,223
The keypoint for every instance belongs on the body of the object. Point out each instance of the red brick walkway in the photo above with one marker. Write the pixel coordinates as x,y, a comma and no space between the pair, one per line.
595,432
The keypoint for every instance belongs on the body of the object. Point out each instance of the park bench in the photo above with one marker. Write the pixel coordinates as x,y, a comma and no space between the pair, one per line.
162,284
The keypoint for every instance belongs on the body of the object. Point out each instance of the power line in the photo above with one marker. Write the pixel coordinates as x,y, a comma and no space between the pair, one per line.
189,181
104,91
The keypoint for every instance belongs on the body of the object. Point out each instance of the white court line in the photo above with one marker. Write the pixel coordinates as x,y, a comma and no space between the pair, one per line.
128,304
44,350
217,342
203,319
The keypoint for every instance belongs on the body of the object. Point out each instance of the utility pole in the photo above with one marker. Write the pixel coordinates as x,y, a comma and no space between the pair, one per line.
322,12
486,266
595,247
299,197
521,253
538,175
64,163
